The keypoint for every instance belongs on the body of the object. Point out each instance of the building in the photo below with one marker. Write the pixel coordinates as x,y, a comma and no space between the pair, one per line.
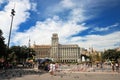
58,52
90,55
42,51
118,49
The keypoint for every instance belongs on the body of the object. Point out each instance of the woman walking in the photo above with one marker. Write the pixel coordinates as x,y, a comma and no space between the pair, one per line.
52,68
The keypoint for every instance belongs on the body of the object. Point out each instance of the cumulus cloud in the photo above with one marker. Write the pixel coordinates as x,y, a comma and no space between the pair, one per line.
97,41
44,30
22,14
41,32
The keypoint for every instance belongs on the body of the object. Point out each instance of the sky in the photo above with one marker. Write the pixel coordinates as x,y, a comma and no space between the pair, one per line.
88,23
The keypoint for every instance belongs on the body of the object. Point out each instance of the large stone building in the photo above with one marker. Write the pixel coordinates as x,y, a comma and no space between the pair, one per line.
58,52
42,51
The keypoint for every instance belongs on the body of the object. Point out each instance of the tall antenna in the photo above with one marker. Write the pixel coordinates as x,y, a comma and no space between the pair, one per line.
29,48
12,15
29,43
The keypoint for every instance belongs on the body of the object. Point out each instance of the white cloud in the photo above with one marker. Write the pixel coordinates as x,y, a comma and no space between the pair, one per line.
67,4
62,6
75,11
100,29
33,6
105,28
42,31
100,42
21,15
2,1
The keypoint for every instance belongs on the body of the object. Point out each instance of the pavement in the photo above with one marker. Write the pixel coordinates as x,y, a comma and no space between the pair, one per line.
71,76
66,73
30,74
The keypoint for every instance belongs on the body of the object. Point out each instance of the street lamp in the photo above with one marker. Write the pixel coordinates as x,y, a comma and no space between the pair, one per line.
12,15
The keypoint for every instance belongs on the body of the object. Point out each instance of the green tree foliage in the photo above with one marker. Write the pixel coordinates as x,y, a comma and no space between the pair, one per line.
22,53
111,54
2,45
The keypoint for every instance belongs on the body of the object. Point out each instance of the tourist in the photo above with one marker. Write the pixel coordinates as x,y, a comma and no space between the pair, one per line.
52,68
117,67
112,64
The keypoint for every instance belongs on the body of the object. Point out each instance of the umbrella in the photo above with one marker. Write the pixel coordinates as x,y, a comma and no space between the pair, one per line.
44,60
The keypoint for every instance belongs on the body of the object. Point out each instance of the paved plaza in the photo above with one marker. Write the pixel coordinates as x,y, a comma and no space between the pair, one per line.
68,76
66,73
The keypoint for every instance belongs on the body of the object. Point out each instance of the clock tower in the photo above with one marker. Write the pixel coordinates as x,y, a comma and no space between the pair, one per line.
54,47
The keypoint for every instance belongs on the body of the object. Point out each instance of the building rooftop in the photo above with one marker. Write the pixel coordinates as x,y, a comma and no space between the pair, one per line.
42,46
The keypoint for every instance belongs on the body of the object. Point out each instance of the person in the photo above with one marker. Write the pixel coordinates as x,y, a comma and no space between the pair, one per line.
117,67
52,68
112,64
97,65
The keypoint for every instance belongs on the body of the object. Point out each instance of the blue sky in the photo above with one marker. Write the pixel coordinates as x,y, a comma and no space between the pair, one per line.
88,23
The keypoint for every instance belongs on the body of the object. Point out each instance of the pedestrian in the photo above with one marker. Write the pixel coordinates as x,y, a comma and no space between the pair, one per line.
117,67
112,64
97,65
52,68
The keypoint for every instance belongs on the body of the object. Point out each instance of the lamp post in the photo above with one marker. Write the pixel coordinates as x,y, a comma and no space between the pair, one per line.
12,15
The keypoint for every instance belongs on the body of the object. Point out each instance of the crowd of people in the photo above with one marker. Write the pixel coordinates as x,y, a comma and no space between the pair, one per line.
115,67
53,67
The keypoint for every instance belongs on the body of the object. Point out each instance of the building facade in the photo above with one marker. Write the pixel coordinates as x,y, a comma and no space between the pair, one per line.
42,51
58,52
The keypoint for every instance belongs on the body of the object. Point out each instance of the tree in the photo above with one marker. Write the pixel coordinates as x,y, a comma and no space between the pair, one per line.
111,55
2,45
22,53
